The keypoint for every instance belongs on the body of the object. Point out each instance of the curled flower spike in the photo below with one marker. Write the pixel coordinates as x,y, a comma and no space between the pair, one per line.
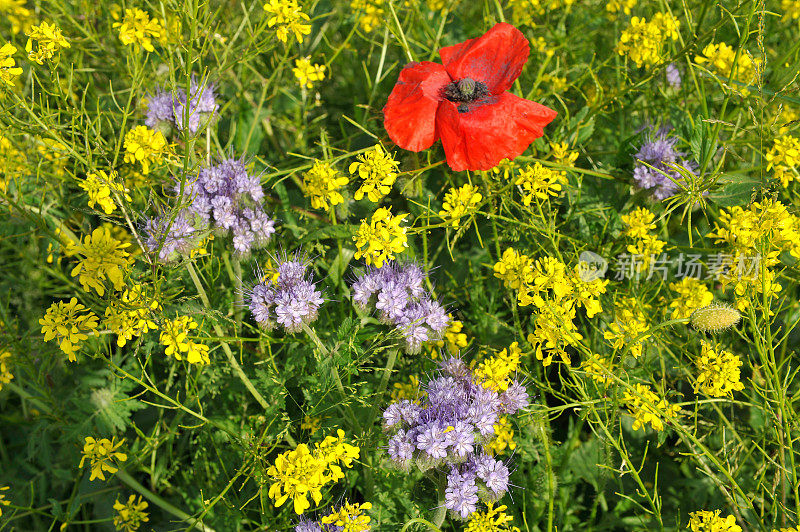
465,102
715,318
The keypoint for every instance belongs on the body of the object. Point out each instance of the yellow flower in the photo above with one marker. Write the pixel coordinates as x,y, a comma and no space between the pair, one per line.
138,28
382,237
643,42
791,9
17,14
99,187
646,407
513,268
350,517
8,69
289,18
705,521
129,316
616,7
718,372
175,337
130,515
599,368
145,146
311,424
378,169
503,438
505,167
3,502
457,202
49,40
720,58
5,373
639,222
408,390
539,182
495,373
784,157
69,325
692,295
103,456
370,13
562,154
322,184
491,520
104,258
302,472
306,73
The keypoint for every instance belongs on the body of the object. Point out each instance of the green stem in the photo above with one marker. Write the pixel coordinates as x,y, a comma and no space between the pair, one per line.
441,509
387,372
126,479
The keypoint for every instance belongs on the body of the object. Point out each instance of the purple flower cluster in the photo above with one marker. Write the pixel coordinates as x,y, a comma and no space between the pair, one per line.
306,525
171,240
673,76
227,198
170,108
448,430
397,294
659,154
288,299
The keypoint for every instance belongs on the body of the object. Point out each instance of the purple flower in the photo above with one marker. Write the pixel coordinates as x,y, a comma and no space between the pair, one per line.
514,398
461,494
202,103
433,441
673,76
396,290
171,239
655,163
290,301
493,473
461,439
159,109
307,526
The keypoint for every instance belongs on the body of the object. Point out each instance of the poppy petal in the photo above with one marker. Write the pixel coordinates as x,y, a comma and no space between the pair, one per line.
411,109
478,136
496,58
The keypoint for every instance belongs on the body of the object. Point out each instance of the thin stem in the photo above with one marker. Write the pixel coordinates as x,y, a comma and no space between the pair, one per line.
387,372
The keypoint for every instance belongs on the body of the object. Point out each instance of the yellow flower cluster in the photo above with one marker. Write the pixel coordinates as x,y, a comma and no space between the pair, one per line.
692,295
408,390
303,471
458,202
783,157
491,520
643,42
720,60
3,502
138,28
630,323
103,456
561,153
69,325
17,14
766,224
705,521
322,183
453,337
378,169
8,69
99,187
646,407
104,258
370,13
49,41
791,9
718,372
513,268
645,245
615,8
380,238
495,373
539,183
503,438
175,337
145,146
5,373
350,517
306,73
289,18
599,368
129,317
130,515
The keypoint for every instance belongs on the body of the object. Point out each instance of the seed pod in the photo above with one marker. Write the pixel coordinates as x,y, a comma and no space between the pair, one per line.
715,318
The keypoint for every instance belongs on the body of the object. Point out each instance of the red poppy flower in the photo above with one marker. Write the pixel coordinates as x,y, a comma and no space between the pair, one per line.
465,102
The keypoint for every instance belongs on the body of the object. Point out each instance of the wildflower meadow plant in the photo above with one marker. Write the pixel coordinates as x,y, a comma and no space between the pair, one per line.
400,265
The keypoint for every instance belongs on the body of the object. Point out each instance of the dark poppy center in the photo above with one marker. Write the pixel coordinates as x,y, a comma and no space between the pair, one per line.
466,90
